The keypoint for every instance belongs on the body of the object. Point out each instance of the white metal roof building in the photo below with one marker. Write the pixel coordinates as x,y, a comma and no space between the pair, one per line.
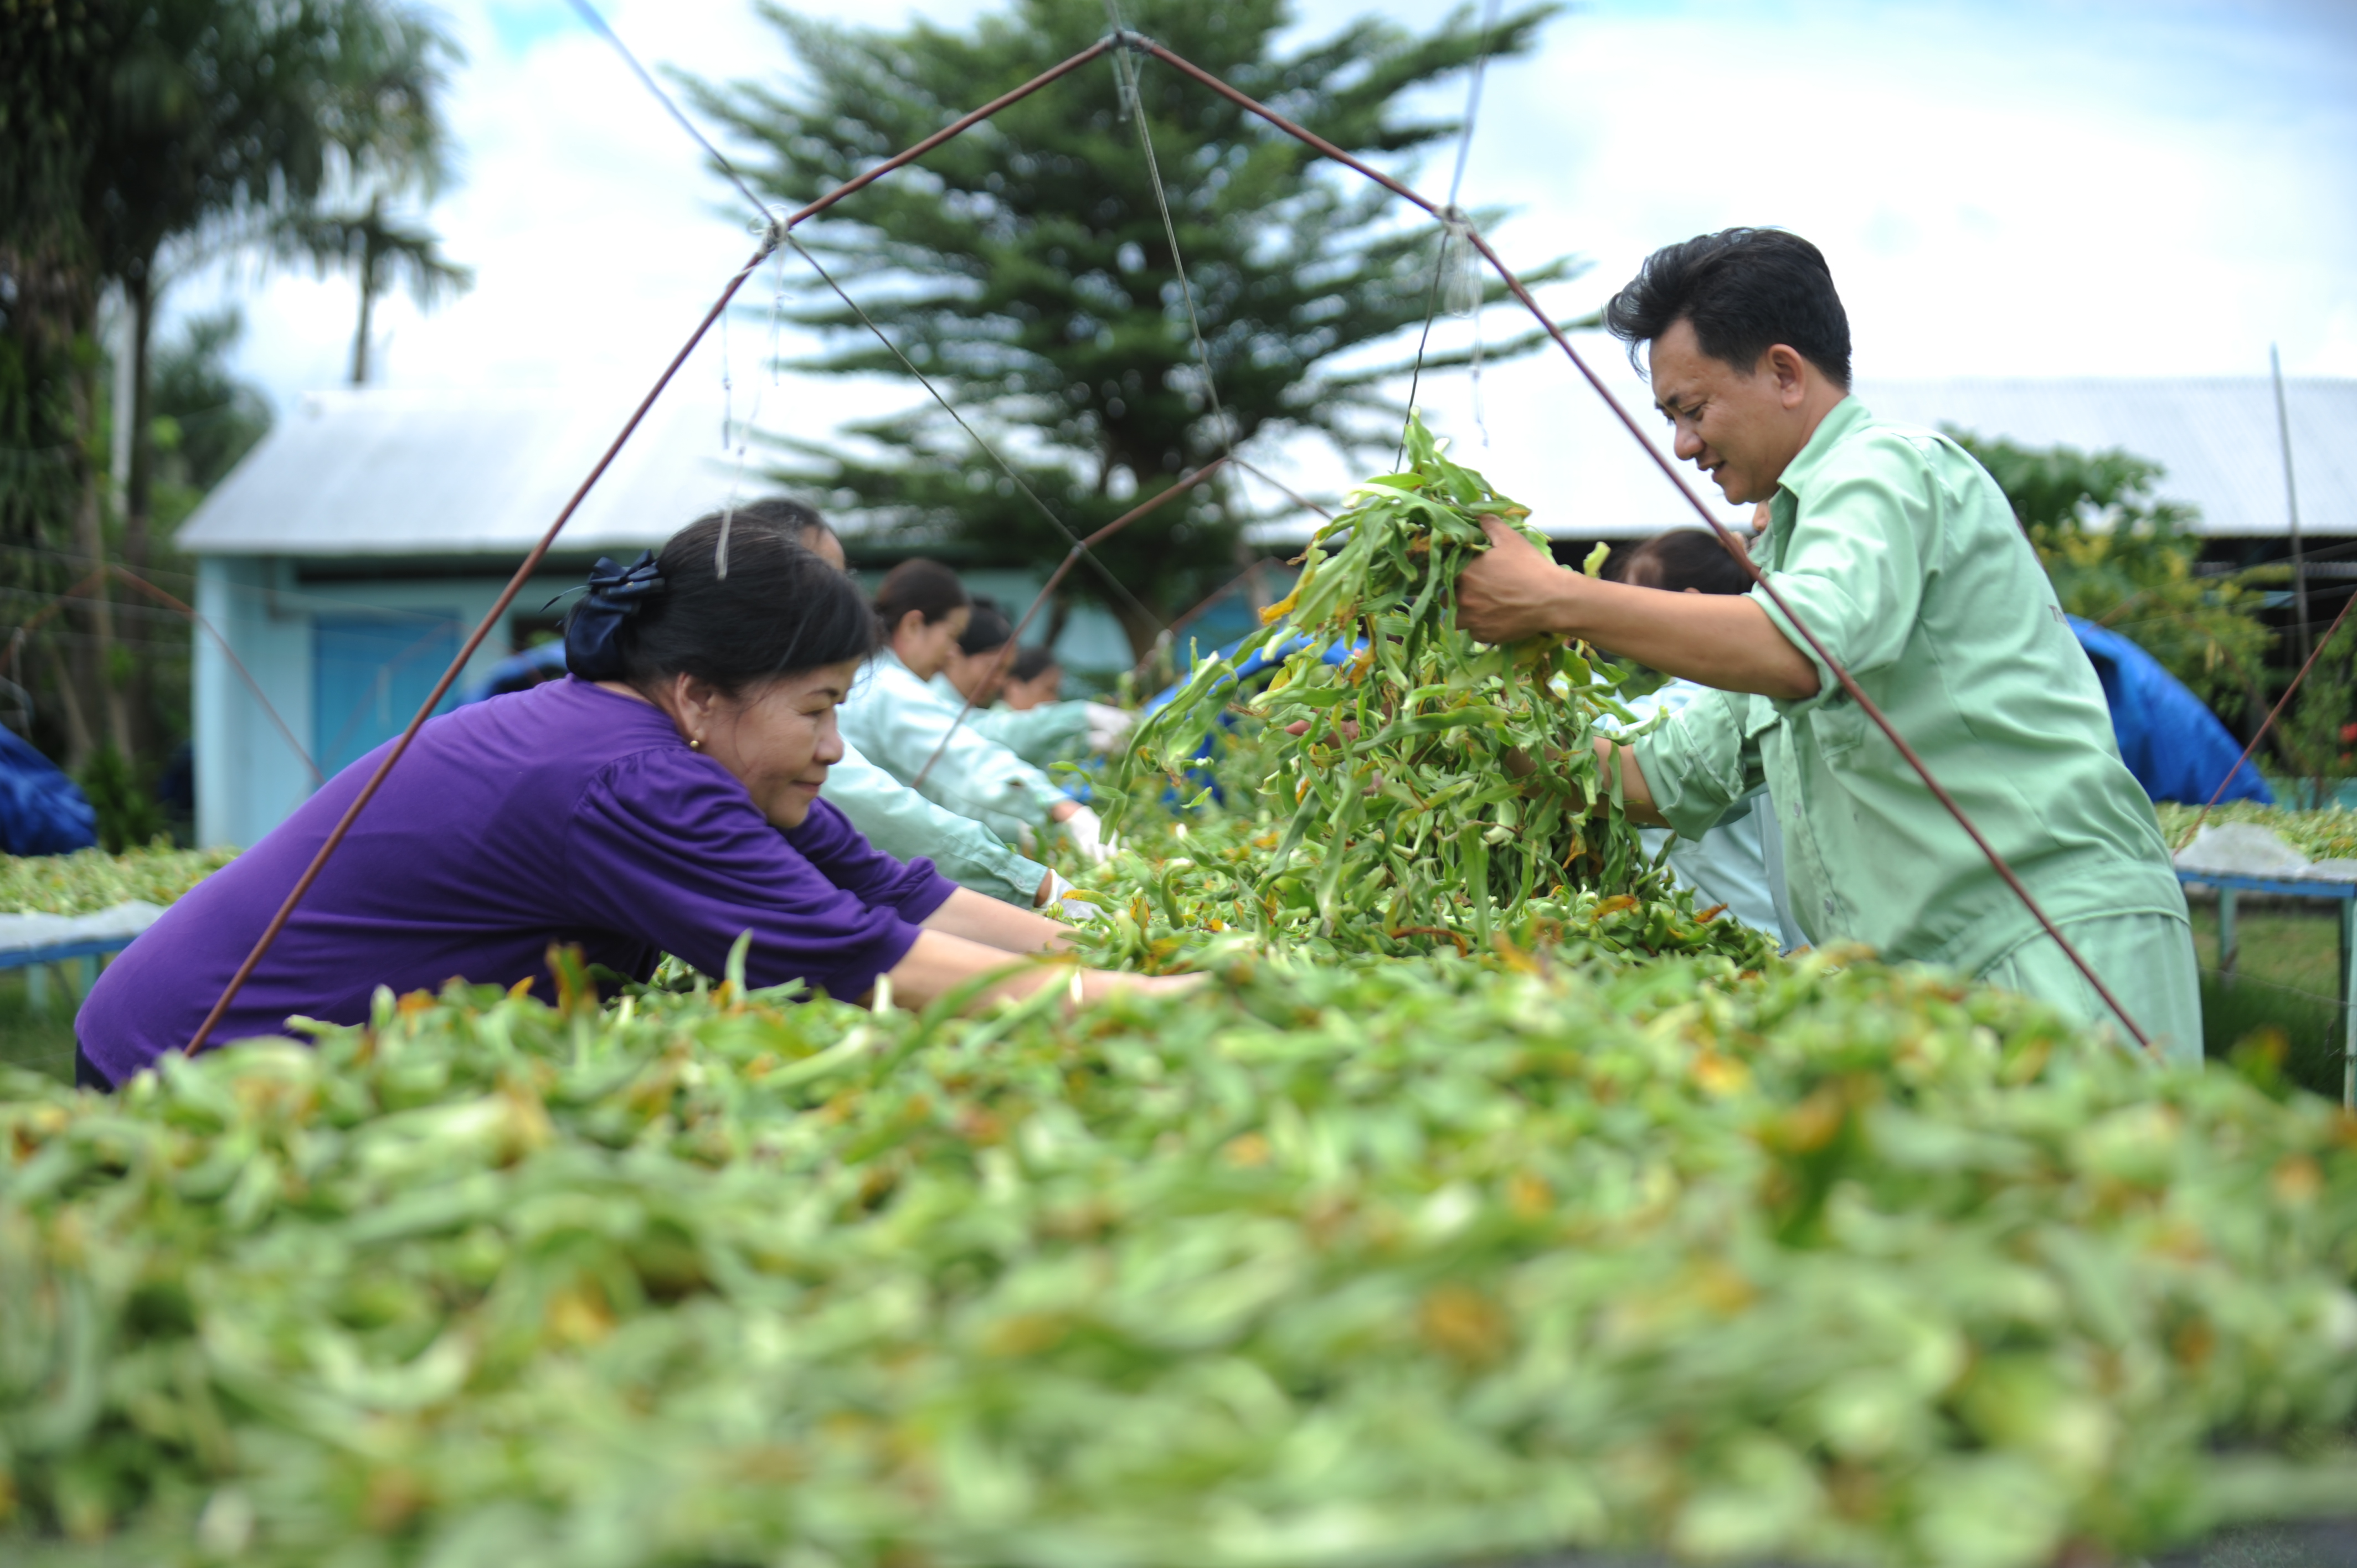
2216,437
348,556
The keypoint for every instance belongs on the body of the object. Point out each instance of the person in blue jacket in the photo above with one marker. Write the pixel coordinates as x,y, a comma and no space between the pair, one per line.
2169,739
42,811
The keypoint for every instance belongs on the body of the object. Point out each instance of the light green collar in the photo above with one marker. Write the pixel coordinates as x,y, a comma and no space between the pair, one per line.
1841,422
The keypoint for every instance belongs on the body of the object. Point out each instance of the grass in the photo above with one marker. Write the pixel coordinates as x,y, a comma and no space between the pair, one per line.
2287,979
42,1042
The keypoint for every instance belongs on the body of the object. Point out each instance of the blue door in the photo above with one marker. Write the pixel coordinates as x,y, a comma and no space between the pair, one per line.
369,673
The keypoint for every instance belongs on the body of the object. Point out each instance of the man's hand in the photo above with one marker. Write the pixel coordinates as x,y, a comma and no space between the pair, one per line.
1512,591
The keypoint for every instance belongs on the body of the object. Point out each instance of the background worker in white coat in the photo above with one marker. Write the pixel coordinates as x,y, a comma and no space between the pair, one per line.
1739,862
1041,734
912,732
887,813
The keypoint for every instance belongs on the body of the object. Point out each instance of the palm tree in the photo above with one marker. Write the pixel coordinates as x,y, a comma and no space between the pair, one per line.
382,250
196,126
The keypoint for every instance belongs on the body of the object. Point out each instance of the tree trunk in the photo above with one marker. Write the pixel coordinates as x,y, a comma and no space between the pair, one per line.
368,303
91,660
132,718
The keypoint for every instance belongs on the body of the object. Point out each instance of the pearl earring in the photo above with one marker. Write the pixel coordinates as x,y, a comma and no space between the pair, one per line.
695,744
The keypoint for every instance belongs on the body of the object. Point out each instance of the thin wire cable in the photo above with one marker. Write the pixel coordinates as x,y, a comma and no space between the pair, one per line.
1440,256
1125,72
125,576
589,14
1726,536
1298,499
2273,715
1080,548
988,450
1416,376
775,232
744,439
1473,99
720,548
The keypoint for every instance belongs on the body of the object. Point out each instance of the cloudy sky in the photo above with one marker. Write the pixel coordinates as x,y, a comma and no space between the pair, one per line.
2004,189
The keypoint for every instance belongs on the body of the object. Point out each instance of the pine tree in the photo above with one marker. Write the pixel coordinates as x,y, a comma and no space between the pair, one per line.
1024,267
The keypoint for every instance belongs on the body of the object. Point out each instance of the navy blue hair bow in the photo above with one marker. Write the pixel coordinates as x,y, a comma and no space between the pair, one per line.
614,596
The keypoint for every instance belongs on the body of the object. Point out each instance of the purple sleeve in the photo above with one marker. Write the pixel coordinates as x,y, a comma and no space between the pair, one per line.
667,846
828,840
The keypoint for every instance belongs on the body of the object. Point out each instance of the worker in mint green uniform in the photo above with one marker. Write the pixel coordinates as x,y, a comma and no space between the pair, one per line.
1042,735
1901,555
904,825
920,738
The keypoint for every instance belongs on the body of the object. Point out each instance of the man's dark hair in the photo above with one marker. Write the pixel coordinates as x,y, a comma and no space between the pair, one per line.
1745,290
929,588
780,611
987,630
1033,662
1686,558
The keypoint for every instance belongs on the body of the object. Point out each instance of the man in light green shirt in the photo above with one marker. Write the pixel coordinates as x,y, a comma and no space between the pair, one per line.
1901,555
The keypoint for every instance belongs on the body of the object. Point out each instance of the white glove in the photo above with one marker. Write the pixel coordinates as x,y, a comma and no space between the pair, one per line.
1108,726
1088,836
1075,906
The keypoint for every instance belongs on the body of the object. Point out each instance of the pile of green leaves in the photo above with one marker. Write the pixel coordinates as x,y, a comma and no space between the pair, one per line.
1400,822
2319,835
90,880
1418,1264
1180,887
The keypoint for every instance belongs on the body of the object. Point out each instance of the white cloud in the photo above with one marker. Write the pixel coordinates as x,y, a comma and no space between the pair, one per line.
2108,188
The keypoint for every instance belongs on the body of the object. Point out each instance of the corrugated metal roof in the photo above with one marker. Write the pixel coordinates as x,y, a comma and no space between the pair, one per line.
2216,437
439,472
452,472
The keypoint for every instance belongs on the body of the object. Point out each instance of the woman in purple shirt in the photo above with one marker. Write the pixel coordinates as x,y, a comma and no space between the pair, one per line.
662,798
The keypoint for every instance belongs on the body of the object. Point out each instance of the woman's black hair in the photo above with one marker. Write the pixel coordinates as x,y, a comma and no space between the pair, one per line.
1033,662
929,588
1745,290
1686,558
780,611
787,516
987,630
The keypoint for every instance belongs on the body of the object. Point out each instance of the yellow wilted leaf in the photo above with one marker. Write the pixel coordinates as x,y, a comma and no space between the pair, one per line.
2297,1181
1464,1326
579,1315
1720,1075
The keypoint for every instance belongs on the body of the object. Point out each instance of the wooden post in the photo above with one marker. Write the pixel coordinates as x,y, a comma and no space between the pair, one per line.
2229,942
2348,1004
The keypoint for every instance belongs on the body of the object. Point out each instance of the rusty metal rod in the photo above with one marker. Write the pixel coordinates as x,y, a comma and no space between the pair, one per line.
2273,715
1079,549
1842,675
539,550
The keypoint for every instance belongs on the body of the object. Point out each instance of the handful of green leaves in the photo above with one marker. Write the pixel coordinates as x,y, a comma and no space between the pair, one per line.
1402,822
1420,1263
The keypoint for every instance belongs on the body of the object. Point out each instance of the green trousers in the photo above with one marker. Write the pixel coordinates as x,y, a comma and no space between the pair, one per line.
2147,961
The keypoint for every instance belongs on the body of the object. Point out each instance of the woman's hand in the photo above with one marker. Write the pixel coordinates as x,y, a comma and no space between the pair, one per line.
987,921
940,962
